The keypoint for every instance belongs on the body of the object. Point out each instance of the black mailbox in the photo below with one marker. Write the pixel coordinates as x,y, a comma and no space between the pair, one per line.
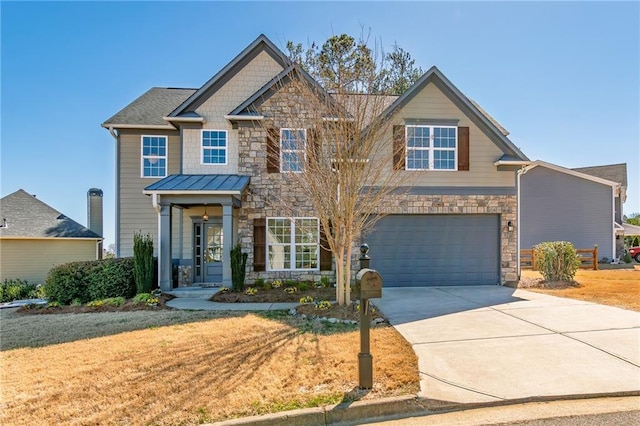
370,283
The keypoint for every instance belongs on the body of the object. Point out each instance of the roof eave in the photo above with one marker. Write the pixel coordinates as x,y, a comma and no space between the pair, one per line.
138,126
190,192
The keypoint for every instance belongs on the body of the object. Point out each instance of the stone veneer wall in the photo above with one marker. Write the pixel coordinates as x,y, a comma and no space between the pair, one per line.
271,194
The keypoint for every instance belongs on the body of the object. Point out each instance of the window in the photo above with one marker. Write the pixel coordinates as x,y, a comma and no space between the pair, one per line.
431,147
292,244
214,147
154,156
292,149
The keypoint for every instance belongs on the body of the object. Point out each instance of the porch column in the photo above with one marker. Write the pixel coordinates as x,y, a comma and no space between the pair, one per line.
227,232
165,275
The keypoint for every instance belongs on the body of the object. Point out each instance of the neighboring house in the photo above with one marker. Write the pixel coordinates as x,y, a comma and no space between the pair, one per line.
35,237
582,206
192,170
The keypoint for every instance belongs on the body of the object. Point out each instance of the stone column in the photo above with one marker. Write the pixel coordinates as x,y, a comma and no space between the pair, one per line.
227,233
165,275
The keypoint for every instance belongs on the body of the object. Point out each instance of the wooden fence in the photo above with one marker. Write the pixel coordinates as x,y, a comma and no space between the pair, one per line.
588,258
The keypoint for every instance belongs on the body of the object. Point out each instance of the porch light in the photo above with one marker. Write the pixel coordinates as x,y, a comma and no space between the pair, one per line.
510,226
205,216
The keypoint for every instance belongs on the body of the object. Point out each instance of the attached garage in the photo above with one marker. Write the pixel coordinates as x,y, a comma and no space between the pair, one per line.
436,250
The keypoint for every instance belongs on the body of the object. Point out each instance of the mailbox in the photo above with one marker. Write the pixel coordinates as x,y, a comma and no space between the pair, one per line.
370,283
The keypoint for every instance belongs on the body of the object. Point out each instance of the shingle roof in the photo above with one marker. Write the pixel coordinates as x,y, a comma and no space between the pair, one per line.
612,172
31,218
149,108
202,183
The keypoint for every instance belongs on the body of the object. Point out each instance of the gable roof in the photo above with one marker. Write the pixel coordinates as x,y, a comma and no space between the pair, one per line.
491,127
612,172
28,217
271,86
148,110
571,172
260,44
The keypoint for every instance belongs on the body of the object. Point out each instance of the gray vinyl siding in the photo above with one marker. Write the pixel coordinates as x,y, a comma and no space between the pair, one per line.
136,211
556,206
431,103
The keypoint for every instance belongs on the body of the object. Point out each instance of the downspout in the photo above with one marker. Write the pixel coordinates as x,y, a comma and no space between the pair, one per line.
116,138
519,173
613,220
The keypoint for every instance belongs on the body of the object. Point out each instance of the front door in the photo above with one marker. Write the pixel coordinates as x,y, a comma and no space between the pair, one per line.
208,251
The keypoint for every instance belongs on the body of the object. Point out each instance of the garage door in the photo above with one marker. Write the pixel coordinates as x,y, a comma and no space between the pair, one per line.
436,250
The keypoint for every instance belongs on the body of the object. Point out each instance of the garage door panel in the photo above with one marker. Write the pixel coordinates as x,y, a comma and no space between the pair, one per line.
435,250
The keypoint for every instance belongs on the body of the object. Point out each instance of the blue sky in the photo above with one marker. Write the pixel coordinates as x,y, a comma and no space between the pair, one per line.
562,77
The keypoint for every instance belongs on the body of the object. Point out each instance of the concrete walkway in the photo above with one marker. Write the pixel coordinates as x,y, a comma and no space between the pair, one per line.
486,344
197,299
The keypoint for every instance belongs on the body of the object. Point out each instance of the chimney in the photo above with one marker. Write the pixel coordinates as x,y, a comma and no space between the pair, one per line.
94,210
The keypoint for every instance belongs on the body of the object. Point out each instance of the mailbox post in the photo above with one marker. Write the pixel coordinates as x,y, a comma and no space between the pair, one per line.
370,283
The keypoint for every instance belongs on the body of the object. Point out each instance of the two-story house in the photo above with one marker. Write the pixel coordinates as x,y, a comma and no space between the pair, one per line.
192,169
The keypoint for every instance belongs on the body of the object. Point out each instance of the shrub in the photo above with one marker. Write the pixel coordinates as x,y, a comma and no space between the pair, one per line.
303,286
143,262
627,257
113,301
81,282
259,282
635,242
112,278
16,289
238,267
556,260
291,283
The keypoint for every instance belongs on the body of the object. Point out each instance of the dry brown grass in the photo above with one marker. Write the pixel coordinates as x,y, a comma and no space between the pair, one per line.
197,372
615,287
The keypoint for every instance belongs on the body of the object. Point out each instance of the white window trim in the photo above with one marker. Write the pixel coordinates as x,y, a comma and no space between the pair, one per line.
202,148
431,148
292,245
304,150
165,157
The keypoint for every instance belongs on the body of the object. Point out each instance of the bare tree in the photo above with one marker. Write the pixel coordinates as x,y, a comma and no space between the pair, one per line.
339,152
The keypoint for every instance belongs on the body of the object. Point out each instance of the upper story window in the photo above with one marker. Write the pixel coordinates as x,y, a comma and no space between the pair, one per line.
293,244
431,147
214,147
292,149
154,156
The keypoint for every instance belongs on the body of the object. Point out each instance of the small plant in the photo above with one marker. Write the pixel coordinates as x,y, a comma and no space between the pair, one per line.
325,281
113,301
306,299
250,291
149,299
627,258
290,283
303,286
291,290
76,302
95,304
16,289
276,284
323,305
259,282
53,305
224,290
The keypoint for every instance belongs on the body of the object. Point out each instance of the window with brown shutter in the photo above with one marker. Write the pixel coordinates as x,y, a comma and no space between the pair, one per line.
463,149
398,147
259,244
273,150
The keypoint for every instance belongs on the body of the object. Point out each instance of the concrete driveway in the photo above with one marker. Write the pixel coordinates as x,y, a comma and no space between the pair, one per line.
491,343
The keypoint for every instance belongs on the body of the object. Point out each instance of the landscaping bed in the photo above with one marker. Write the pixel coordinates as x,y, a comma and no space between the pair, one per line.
129,305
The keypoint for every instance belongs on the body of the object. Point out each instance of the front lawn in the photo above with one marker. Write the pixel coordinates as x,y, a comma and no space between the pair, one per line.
615,287
163,367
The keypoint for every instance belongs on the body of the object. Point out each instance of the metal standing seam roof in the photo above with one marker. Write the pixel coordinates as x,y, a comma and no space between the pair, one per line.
200,183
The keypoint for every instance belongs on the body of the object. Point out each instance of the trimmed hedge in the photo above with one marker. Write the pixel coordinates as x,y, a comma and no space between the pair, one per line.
81,282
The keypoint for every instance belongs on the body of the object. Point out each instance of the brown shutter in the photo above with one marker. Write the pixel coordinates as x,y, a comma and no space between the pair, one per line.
313,147
259,244
398,147
273,150
463,148
325,253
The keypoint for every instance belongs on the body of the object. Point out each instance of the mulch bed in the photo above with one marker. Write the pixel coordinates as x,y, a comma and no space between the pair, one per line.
526,282
275,295
128,306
